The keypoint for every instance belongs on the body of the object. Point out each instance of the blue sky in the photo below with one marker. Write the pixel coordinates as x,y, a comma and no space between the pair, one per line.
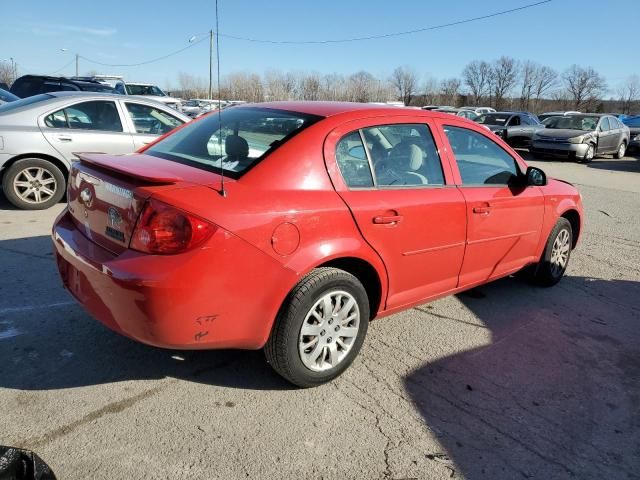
124,31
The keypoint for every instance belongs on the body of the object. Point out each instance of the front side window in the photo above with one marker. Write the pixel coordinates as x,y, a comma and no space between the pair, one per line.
234,140
515,120
149,120
604,125
96,115
480,160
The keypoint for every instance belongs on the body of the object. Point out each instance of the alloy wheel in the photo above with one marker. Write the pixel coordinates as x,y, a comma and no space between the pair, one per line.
560,253
35,185
329,331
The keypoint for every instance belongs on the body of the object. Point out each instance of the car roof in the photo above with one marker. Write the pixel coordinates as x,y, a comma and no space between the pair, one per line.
327,109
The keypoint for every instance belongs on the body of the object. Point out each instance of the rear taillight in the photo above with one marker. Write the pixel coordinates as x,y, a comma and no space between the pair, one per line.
163,229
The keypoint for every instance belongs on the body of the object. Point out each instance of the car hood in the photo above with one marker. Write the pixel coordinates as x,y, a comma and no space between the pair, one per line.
561,134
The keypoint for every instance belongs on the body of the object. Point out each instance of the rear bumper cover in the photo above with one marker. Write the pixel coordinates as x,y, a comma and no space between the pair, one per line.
223,295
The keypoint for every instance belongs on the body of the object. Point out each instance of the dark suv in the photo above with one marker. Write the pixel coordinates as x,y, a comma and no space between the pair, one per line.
516,128
29,85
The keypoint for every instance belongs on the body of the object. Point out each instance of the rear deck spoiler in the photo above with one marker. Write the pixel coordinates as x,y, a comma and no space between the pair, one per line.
142,167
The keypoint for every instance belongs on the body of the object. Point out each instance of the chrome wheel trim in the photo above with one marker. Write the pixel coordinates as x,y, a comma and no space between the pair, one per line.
35,185
622,150
329,331
560,252
590,153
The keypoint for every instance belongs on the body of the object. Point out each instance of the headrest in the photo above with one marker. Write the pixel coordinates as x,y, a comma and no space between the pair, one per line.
237,147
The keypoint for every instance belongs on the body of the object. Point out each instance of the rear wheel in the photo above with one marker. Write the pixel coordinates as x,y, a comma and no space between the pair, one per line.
33,184
622,149
320,328
555,258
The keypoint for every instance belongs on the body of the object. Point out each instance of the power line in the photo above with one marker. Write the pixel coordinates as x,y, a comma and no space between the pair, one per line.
62,68
387,35
145,62
327,41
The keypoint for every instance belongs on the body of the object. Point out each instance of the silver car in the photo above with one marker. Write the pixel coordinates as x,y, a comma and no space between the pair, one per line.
582,136
39,135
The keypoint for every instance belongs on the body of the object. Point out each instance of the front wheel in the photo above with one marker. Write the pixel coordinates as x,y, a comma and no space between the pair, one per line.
555,257
33,184
320,328
589,154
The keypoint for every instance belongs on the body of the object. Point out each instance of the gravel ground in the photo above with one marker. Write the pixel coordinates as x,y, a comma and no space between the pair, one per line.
506,381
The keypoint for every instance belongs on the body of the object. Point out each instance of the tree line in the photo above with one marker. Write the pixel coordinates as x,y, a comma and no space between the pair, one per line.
505,83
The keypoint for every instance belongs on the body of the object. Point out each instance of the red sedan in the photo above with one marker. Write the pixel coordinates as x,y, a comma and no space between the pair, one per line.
290,226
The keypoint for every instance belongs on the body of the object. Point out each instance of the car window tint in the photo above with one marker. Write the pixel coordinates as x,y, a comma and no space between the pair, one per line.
150,120
403,155
481,161
614,123
352,161
515,120
95,115
56,120
604,124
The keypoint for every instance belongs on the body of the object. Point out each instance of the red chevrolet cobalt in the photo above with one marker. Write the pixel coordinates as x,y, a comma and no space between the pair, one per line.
289,226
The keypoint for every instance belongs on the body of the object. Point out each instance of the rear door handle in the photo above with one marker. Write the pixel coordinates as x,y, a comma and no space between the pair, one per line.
387,219
64,138
482,210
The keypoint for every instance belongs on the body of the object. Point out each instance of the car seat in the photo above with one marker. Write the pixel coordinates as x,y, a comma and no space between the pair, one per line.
236,148
407,159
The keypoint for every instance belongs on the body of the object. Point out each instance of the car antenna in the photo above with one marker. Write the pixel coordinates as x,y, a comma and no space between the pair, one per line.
222,190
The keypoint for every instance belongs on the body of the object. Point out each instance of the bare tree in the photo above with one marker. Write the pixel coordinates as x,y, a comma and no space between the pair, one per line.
629,92
405,81
584,86
7,73
431,91
279,86
527,83
545,80
476,76
309,87
449,91
505,75
361,87
191,86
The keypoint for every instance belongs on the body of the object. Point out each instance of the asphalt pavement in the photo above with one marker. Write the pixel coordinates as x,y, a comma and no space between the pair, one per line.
506,381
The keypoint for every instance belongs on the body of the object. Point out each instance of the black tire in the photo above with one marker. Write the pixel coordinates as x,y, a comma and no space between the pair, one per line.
31,164
622,149
590,154
545,273
282,350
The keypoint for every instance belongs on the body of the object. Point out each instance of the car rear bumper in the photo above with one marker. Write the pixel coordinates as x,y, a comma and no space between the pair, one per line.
206,298
559,148
634,145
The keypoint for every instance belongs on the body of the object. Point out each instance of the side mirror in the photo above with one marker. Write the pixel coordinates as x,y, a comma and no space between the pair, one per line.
536,177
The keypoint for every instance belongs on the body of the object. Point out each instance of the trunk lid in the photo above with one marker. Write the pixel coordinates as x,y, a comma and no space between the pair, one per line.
106,193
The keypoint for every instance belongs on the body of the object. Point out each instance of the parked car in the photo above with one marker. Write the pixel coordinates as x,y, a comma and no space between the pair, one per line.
546,115
148,90
633,123
39,136
582,136
197,106
310,237
516,128
479,110
468,114
29,85
6,97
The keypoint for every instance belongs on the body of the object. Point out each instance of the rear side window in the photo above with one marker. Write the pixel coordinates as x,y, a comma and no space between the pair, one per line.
480,160
150,120
96,115
352,161
234,140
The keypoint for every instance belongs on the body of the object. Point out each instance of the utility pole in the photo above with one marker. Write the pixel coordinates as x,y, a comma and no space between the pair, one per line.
77,57
210,64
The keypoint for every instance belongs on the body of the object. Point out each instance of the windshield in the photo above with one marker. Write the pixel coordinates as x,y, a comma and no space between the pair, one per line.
632,122
145,90
247,135
572,122
24,102
7,96
493,119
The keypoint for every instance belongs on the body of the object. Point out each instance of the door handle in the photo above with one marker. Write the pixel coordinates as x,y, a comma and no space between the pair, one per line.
484,210
387,219
64,138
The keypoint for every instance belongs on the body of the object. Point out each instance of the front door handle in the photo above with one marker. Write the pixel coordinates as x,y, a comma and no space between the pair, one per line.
64,138
387,219
482,210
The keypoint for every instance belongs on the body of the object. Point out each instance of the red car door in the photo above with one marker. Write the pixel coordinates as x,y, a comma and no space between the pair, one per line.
401,194
504,215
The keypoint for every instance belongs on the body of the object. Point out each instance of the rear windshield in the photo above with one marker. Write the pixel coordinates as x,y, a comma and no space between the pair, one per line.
24,102
145,90
97,87
493,119
247,136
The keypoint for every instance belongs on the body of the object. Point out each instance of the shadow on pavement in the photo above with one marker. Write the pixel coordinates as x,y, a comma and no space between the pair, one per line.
48,342
626,164
556,394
